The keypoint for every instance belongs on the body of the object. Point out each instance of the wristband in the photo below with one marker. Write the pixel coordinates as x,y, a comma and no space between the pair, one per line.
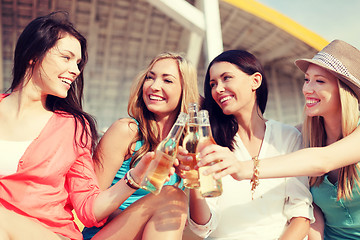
130,181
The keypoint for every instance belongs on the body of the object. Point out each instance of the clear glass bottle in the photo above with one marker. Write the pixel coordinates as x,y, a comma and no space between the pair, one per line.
165,155
209,187
191,139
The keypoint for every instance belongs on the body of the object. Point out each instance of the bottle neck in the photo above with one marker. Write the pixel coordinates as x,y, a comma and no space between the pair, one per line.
205,131
170,143
175,132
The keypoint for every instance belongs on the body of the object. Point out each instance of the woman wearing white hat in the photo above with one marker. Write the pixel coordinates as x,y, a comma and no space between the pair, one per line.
332,93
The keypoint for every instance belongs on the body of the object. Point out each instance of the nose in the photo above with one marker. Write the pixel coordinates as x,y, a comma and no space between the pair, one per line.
156,85
219,87
308,87
74,69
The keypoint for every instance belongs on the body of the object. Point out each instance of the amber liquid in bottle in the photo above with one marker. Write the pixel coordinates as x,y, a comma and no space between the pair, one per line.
209,187
191,139
156,179
191,179
165,155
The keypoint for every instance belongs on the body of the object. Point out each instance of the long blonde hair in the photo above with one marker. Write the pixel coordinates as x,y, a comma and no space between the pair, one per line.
314,135
148,129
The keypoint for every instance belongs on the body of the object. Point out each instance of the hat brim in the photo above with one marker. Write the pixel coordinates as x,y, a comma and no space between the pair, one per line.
304,63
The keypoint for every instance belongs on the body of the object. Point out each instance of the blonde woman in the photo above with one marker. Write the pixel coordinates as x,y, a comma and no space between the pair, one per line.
332,92
160,92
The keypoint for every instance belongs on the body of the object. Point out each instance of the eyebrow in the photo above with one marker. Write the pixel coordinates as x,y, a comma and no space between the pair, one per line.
221,75
163,75
317,75
71,53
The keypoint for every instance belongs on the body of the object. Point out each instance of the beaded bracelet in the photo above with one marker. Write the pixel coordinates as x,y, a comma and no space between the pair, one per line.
255,178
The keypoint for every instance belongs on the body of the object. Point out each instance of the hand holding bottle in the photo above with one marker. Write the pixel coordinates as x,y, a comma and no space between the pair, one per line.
209,186
139,171
184,161
190,176
221,162
164,158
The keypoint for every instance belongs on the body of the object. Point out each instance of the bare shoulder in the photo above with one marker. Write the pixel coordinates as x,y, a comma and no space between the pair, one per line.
123,128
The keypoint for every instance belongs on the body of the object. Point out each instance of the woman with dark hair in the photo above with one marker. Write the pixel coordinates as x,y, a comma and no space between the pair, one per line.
46,144
235,96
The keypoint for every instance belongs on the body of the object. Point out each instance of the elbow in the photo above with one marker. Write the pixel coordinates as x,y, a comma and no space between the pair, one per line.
321,165
320,170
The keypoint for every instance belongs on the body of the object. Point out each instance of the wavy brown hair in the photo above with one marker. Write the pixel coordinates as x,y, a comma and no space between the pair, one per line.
314,135
148,129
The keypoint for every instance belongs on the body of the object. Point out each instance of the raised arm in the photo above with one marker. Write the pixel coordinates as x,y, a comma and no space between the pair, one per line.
305,162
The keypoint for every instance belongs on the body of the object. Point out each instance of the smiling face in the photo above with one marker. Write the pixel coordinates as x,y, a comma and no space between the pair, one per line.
232,89
321,92
162,88
59,68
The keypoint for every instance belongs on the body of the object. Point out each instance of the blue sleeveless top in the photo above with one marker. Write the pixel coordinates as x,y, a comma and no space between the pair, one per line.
88,233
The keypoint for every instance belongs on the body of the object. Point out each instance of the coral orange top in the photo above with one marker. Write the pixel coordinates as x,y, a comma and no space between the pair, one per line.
54,176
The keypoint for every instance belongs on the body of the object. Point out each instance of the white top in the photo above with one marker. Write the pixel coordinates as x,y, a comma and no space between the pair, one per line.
236,216
10,155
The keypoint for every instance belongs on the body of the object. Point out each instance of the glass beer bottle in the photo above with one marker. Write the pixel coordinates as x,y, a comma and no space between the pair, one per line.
165,155
191,177
209,187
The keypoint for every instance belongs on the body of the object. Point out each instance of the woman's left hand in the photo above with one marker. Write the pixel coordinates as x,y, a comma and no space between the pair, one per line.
138,173
224,162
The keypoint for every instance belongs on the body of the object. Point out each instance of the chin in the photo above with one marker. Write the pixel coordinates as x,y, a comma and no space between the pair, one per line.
62,95
227,112
312,115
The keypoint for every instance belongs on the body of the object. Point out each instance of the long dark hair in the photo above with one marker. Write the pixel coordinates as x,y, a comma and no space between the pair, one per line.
38,37
224,127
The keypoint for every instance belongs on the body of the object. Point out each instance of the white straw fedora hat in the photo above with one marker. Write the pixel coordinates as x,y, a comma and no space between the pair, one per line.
339,58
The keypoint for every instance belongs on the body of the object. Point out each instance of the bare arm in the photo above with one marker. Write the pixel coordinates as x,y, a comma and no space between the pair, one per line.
305,162
317,228
112,151
199,209
297,229
110,199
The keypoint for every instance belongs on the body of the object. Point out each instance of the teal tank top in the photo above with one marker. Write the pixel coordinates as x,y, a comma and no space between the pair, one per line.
342,218
88,233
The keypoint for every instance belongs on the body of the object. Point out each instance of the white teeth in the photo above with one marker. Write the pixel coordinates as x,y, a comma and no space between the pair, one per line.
67,81
311,101
155,98
225,99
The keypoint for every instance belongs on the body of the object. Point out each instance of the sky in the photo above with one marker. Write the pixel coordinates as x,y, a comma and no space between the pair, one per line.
331,19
